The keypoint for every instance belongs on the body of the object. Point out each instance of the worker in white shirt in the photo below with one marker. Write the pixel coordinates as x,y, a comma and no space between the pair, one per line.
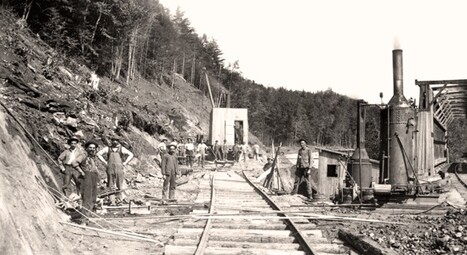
115,162
190,152
65,161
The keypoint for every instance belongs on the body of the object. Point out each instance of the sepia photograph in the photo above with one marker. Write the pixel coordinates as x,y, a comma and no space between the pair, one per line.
260,127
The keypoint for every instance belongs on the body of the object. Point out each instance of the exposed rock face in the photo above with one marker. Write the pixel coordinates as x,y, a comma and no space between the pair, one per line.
29,220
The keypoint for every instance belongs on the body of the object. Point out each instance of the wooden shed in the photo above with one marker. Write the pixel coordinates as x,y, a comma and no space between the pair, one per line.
230,124
331,173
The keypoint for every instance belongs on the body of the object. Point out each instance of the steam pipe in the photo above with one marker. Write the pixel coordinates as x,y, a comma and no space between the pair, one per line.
397,73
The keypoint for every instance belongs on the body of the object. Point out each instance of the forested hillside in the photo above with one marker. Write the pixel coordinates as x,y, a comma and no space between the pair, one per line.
127,40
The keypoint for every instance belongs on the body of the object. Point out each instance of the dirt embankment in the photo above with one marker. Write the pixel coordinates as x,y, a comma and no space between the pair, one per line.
29,221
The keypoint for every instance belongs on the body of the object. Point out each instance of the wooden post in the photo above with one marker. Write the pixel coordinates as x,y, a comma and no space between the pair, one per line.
209,89
270,178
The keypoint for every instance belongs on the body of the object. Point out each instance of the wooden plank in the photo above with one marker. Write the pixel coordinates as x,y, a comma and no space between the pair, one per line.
364,245
283,246
232,232
240,238
438,94
181,250
439,82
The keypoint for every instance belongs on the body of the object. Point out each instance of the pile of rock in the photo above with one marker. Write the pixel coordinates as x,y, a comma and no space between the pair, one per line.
424,234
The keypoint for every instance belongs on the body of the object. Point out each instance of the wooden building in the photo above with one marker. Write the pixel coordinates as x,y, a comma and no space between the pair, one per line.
230,124
332,166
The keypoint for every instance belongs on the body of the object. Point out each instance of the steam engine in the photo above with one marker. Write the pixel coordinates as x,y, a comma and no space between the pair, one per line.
408,154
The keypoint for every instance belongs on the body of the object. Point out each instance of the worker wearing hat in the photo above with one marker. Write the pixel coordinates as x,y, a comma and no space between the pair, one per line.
169,172
190,152
86,163
115,161
65,161
162,146
303,169
268,164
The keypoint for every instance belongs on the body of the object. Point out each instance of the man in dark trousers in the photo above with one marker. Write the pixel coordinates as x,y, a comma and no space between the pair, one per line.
65,161
169,172
225,150
115,162
86,163
217,149
303,169
236,151
190,152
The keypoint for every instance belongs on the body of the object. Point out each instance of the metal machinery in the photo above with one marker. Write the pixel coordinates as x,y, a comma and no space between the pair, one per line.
398,135
409,141
359,165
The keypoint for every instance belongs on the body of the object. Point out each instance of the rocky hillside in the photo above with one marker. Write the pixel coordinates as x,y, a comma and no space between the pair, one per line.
50,96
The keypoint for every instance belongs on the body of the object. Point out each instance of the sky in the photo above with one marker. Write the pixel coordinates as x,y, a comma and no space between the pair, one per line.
343,45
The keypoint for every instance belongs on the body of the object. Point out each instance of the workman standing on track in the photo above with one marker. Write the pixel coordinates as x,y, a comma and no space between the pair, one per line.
115,163
202,148
87,165
181,148
65,161
303,169
169,172
190,152
225,150
237,151
255,151
217,149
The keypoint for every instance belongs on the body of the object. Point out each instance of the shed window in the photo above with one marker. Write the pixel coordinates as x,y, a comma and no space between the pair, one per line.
332,171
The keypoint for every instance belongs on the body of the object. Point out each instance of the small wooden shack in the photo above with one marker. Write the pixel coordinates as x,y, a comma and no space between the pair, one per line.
331,173
230,124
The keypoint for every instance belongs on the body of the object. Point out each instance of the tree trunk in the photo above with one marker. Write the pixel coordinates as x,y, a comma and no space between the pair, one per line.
183,65
97,24
144,52
82,38
116,62
131,55
193,65
26,11
173,72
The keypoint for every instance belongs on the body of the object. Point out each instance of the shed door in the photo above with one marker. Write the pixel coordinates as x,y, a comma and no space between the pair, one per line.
229,132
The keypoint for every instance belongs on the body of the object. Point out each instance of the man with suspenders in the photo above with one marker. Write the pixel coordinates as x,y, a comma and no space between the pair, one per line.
115,163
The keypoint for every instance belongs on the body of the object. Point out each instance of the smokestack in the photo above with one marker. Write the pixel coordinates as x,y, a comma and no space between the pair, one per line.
361,125
397,74
398,97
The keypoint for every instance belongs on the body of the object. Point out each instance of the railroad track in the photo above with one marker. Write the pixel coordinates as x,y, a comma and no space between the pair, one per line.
224,228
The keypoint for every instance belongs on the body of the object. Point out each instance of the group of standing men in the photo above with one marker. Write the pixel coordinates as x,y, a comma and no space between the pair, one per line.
81,166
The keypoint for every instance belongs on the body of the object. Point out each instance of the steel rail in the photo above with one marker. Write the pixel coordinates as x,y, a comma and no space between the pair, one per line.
201,247
302,238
